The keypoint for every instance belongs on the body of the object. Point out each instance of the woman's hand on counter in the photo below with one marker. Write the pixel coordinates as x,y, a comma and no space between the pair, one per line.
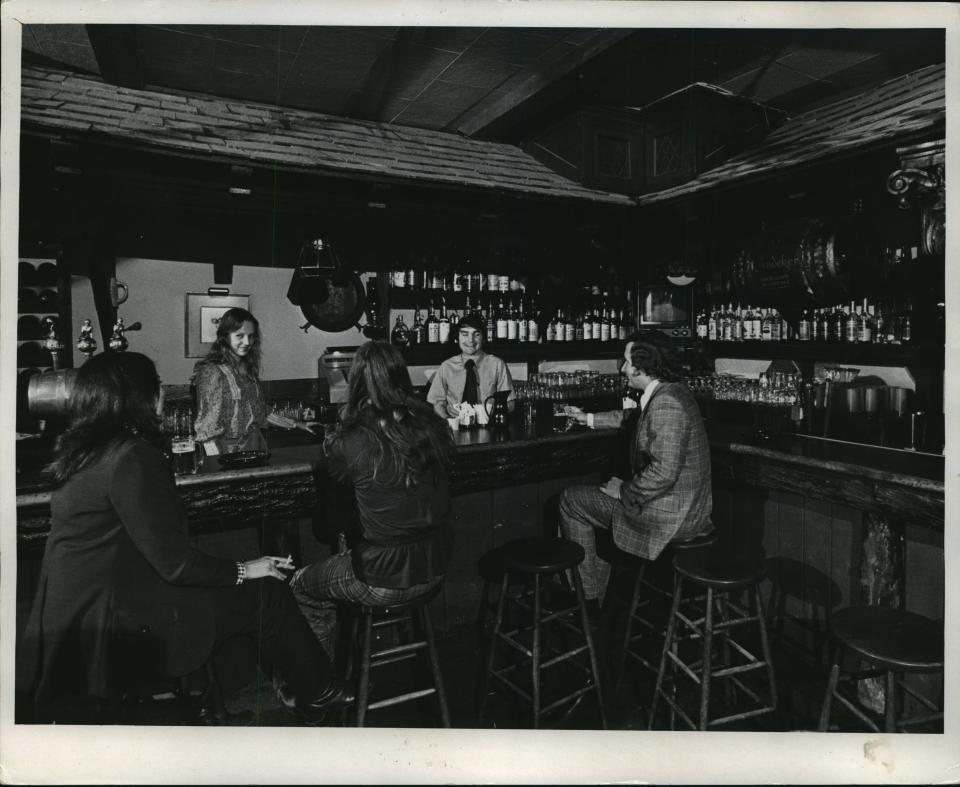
268,566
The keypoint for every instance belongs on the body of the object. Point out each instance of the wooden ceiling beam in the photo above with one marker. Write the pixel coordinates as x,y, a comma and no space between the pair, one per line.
527,85
117,53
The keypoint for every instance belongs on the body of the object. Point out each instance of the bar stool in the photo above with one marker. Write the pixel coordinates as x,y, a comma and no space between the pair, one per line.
720,574
537,563
647,593
897,643
399,619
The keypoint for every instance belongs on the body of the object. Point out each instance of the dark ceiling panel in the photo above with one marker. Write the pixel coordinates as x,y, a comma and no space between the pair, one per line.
198,31
478,72
449,39
266,36
185,54
511,46
418,69
458,97
244,59
424,114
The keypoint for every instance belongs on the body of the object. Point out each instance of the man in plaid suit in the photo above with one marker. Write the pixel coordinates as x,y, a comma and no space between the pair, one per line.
669,494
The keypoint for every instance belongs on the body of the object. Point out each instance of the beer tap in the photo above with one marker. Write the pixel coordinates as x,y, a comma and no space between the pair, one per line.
52,343
86,343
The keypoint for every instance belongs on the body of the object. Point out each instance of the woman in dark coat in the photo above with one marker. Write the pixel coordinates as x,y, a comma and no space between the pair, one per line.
123,594
395,453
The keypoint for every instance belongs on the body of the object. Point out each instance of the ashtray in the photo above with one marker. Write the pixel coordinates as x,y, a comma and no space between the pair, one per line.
243,459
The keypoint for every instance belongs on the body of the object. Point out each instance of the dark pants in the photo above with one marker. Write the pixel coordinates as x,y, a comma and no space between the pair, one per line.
266,611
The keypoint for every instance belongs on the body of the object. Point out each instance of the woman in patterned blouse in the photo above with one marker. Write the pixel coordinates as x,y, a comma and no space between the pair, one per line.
231,413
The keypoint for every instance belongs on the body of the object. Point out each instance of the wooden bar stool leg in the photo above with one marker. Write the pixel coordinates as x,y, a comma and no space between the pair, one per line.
831,688
634,601
890,703
492,649
363,691
594,667
427,622
536,651
765,644
667,644
706,662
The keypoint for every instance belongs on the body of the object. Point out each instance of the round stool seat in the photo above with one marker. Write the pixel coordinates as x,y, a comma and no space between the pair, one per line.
411,603
541,555
718,569
706,540
896,639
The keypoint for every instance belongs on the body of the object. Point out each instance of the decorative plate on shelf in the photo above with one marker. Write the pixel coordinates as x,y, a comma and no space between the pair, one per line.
243,459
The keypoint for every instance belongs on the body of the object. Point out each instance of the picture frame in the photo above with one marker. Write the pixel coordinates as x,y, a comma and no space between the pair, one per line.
202,311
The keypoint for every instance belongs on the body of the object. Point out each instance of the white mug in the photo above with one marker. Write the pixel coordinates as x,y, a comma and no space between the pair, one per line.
482,416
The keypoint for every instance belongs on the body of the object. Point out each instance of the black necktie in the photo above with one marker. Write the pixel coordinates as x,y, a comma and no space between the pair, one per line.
471,385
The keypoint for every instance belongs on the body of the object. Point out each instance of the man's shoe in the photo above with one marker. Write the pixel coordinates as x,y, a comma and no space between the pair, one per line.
337,696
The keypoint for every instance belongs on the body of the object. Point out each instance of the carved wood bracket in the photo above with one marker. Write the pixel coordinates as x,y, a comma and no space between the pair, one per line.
922,180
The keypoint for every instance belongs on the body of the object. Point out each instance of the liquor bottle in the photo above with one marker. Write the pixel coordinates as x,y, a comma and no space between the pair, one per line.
906,324
443,329
805,327
578,320
500,322
756,329
551,333
596,323
892,325
851,324
492,282
533,328
400,336
712,326
433,326
702,324
523,323
456,281
622,324
738,324
411,275
726,324
417,331
569,332
766,325
587,326
879,324
512,319
866,324
491,320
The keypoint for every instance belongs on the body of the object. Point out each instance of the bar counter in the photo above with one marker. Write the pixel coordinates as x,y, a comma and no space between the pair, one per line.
884,481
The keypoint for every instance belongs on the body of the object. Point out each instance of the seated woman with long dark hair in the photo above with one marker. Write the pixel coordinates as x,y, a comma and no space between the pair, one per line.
396,453
122,591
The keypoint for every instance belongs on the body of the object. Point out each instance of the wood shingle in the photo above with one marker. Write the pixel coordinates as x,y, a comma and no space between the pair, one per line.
53,100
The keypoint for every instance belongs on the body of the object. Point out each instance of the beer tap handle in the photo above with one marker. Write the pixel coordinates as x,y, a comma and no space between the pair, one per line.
136,326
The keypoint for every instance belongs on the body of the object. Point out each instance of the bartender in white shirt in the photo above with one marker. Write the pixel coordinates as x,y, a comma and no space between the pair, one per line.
470,376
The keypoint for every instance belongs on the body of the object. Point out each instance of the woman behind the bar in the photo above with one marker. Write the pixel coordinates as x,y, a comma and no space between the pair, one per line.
231,413
124,597
396,453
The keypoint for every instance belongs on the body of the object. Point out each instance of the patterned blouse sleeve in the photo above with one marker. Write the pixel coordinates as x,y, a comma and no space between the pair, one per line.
212,392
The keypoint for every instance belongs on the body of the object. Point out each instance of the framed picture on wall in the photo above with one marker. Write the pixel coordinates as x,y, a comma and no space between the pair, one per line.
202,313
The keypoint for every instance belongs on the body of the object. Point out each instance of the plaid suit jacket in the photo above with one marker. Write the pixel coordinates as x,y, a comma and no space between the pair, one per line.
670,494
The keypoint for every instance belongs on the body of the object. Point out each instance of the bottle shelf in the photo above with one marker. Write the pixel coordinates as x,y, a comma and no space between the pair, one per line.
853,353
411,298
518,351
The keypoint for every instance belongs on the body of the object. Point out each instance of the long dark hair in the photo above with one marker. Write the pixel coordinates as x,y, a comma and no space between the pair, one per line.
114,395
655,354
220,352
381,402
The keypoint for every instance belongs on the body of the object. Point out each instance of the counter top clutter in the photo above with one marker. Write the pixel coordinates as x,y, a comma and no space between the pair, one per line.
488,459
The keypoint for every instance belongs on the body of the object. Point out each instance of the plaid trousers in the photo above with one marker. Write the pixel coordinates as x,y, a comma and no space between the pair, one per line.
583,508
319,586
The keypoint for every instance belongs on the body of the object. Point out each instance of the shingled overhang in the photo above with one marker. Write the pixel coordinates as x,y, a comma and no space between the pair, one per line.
198,125
901,109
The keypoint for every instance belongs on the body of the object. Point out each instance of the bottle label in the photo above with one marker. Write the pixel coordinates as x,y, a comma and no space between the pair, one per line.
503,283
511,330
568,332
523,330
587,331
492,282
551,332
433,333
533,332
501,329
443,334
605,332
712,330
